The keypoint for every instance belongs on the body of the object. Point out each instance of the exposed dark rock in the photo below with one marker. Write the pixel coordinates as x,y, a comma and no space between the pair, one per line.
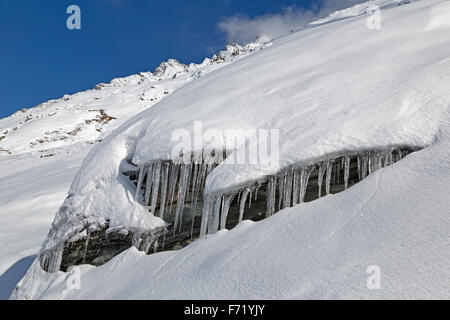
98,247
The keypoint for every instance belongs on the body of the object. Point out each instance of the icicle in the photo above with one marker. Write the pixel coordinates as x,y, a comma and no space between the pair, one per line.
209,168
273,195
194,196
388,160
390,157
217,218
359,167
136,240
346,171
328,177
227,200
206,212
184,174
250,199
288,189
144,241
155,185
398,155
280,190
173,182
362,166
140,180
51,260
338,175
205,170
164,183
242,202
304,178
57,258
163,242
189,180
43,261
385,159
198,189
86,244
203,173
333,175
186,191
295,188
322,168
148,184
270,199
379,160
364,169
201,177
194,184
215,214
372,162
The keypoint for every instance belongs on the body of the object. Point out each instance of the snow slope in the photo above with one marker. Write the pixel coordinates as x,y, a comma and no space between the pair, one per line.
397,219
329,88
31,190
334,87
42,148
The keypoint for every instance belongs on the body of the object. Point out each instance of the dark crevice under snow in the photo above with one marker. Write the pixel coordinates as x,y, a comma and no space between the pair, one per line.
175,193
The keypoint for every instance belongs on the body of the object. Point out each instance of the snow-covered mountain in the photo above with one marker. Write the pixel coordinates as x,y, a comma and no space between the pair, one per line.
336,90
88,116
42,148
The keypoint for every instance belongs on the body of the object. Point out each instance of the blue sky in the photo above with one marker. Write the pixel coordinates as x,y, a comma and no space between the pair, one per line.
41,59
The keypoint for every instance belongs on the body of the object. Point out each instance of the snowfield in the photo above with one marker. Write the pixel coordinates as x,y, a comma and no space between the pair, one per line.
333,87
397,219
31,190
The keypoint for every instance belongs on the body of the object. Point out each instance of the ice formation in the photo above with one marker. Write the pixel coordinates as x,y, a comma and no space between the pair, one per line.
289,187
175,192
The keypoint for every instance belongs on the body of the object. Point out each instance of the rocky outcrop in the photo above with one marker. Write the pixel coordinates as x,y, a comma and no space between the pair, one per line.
98,247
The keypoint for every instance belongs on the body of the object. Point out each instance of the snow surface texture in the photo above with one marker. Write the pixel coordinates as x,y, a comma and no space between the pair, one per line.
332,87
31,190
42,148
397,219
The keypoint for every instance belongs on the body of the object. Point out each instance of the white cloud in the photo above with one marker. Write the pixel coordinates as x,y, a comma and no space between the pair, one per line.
242,29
